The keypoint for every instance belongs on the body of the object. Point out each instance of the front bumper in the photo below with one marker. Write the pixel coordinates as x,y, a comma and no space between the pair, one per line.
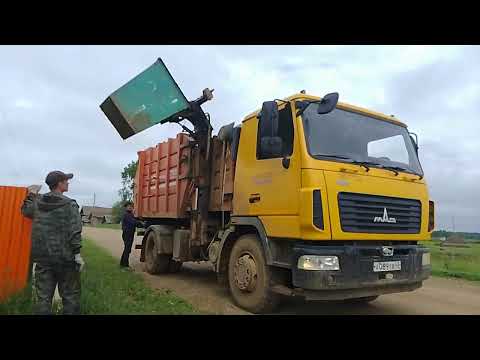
356,277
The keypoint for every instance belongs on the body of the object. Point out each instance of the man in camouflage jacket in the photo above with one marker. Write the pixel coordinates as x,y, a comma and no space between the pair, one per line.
56,244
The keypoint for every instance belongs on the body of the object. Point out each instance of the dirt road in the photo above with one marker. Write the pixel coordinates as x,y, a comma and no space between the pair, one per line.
197,284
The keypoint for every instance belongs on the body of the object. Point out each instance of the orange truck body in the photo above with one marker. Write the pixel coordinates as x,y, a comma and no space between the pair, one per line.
164,182
15,241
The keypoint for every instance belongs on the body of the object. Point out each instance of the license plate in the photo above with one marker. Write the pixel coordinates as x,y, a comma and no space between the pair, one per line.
387,266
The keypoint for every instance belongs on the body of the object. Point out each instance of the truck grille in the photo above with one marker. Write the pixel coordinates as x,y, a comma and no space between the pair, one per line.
363,213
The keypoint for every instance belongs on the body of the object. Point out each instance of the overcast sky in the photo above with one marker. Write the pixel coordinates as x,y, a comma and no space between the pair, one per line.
50,116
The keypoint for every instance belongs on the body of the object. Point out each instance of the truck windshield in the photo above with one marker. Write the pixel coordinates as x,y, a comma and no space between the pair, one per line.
351,137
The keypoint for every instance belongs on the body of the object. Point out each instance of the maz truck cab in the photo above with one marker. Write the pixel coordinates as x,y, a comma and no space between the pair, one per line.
341,195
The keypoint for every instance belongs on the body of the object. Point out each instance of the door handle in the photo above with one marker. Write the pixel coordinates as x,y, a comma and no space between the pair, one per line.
254,198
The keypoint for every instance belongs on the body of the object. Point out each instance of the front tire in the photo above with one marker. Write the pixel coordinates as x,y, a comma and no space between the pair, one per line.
249,276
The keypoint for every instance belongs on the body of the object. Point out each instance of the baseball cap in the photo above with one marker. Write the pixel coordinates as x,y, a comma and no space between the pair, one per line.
54,177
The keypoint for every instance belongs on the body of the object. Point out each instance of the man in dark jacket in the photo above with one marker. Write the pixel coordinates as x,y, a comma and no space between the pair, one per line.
56,244
129,223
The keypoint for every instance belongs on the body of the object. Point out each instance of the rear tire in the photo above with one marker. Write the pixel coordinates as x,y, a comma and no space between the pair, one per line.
249,276
155,263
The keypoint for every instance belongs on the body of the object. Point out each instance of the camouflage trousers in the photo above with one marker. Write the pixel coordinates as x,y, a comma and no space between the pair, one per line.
47,277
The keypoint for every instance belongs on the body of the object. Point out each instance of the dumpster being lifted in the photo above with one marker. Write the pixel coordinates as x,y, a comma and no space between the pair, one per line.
307,197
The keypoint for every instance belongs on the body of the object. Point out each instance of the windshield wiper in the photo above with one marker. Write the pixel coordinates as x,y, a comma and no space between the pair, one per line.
334,156
395,168
365,164
360,163
391,168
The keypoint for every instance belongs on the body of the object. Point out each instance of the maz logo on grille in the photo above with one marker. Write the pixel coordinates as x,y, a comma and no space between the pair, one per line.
385,218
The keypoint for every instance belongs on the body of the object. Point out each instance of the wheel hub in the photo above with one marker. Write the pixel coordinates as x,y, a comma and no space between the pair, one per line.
245,273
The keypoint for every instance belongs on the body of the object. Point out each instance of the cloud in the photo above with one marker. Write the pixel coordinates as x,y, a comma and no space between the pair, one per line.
22,103
50,96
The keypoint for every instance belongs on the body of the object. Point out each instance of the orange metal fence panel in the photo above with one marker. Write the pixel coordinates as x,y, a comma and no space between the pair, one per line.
15,230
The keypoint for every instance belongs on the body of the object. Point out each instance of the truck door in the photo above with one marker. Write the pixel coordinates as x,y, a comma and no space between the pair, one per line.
268,185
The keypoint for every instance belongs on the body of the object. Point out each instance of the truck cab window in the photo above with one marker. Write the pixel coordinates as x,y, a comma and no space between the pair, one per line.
285,132
391,148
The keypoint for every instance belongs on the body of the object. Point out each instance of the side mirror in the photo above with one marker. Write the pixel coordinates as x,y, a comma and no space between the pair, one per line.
271,146
268,118
328,103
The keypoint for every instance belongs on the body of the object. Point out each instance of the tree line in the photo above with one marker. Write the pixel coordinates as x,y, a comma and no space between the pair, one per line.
465,235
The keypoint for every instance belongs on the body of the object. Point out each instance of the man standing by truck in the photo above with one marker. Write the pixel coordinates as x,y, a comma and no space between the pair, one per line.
129,223
56,244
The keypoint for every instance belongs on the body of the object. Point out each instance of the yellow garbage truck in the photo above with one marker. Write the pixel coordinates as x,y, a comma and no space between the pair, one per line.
307,197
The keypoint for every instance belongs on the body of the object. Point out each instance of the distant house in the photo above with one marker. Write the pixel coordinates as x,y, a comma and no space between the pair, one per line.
96,215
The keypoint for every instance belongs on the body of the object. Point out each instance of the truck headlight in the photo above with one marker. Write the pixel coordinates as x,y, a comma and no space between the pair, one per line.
425,259
314,262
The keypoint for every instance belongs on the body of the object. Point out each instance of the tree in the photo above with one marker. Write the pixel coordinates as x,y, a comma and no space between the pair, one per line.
128,177
118,210
126,192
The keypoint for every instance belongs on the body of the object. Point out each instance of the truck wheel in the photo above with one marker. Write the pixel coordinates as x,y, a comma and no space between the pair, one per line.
249,276
155,263
362,300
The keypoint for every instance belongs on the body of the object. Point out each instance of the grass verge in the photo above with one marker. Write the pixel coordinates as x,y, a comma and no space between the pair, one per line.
108,290
19,304
455,262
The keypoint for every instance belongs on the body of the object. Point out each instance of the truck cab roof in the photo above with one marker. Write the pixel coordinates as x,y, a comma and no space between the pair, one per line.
340,105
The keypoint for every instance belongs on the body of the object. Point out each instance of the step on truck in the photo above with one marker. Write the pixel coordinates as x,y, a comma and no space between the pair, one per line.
306,197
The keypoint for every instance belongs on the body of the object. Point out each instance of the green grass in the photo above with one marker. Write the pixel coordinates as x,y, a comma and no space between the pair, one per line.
109,290
106,289
455,262
19,304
